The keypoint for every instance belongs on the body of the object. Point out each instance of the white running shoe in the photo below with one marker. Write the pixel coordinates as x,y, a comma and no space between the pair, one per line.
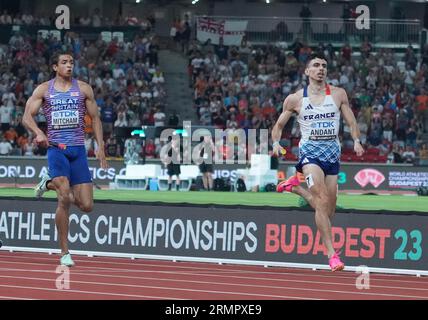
42,187
66,260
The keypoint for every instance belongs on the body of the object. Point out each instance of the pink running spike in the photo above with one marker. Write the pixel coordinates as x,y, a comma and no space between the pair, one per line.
288,184
335,263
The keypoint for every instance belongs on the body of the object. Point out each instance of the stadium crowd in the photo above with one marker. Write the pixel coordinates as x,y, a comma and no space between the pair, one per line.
234,87
96,19
244,87
127,81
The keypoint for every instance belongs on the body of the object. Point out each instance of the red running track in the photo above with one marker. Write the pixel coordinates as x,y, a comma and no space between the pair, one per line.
33,276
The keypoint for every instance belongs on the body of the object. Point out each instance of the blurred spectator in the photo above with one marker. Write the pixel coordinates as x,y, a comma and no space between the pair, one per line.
375,136
305,14
112,147
150,149
346,52
388,126
173,120
96,18
422,105
175,33
108,116
185,33
5,116
423,155
396,154
365,48
85,21
410,57
408,155
402,123
28,148
221,50
5,18
159,117
5,147
121,120
411,134
385,147
424,55
159,121
11,135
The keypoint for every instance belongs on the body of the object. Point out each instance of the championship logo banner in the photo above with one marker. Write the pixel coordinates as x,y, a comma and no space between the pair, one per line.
383,241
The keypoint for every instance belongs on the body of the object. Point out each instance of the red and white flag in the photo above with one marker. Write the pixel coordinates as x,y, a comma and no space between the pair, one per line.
231,31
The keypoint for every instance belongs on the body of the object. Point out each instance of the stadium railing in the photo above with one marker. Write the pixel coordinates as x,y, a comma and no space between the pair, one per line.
85,32
381,32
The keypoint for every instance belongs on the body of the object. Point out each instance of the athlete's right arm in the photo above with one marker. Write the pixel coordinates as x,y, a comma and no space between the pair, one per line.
32,107
288,108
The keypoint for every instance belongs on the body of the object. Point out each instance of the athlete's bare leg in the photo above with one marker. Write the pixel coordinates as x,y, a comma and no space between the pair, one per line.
331,184
323,206
81,195
305,194
62,187
84,196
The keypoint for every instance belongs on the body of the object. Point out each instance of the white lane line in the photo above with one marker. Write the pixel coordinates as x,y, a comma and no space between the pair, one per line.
276,274
15,298
215,276
88,292
179,265
156,287
210,266
230,284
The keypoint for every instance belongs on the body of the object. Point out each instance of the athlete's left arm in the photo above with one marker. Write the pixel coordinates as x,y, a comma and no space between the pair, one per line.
349,117
92,109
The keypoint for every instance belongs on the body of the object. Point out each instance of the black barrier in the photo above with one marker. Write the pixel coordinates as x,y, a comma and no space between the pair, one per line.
359,177
243,234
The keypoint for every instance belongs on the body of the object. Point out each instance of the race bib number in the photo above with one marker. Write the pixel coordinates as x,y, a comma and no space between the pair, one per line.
65,119
309,180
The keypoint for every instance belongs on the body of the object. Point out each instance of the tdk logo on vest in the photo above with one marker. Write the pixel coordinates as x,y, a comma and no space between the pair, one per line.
65,114
309,107
321,125
319,116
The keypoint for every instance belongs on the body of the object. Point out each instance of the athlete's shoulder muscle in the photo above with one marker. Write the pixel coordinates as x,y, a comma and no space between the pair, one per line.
35,102
339,95
338,91
41,90
85,88
292,102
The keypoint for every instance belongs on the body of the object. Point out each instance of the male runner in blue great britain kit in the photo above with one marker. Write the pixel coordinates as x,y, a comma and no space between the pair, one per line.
65,101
